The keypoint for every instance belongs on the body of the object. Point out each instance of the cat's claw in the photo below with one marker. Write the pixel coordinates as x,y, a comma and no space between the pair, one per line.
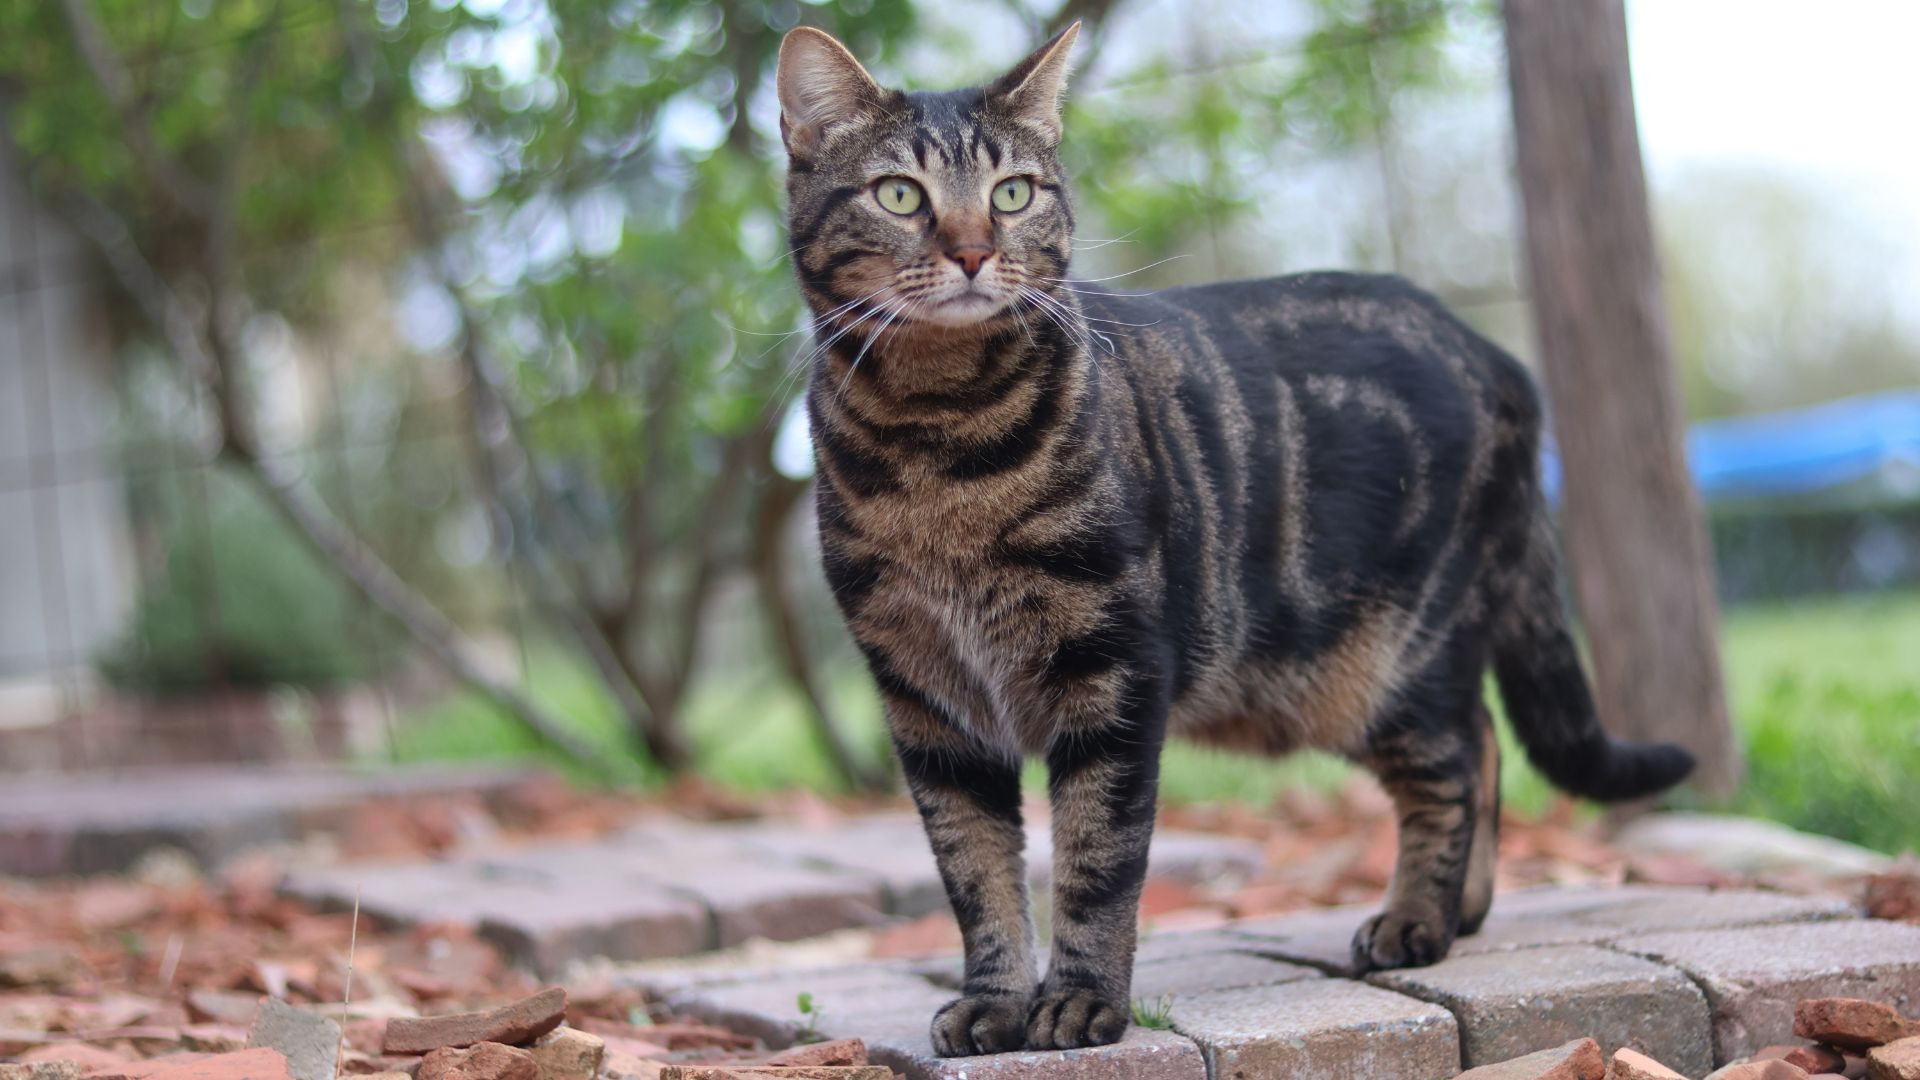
980,1024
1392,940
1071,1019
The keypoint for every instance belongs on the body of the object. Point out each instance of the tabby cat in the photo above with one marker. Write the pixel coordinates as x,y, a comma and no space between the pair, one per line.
1065,522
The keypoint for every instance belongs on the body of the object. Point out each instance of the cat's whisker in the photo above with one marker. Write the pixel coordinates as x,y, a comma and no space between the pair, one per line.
811,324
873,336
1116,277
1075,318
1052,309
804,362
1094,245
891,316
1114,322
1061,317
1069,286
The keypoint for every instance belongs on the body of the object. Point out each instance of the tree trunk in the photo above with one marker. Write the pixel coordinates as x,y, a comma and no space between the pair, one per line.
1643,573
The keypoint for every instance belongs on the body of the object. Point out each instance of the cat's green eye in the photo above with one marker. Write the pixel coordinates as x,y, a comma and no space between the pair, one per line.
1011,194
898,194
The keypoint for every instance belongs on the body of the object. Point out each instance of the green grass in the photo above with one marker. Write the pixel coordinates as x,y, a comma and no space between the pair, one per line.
1827,699
1826,696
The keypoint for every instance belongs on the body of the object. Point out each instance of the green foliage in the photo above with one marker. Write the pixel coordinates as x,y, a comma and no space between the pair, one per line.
1219,126
238,601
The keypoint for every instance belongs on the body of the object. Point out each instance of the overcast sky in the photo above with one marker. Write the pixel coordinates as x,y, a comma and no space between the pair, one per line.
1825,93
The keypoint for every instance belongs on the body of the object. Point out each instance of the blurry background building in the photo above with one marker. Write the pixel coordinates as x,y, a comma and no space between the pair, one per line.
66,545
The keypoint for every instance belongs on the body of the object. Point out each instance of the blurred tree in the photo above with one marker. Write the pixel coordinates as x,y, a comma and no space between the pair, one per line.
583,185
587,193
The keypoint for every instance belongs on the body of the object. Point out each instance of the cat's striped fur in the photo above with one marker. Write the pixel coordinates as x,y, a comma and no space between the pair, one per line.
1068,523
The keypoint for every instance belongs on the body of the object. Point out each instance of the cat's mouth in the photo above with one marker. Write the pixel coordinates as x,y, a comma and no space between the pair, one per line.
963,308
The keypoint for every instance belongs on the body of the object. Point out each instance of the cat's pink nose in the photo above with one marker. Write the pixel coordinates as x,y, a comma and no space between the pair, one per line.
971,258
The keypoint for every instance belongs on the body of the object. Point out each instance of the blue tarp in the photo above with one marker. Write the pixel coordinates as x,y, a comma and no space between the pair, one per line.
1798,451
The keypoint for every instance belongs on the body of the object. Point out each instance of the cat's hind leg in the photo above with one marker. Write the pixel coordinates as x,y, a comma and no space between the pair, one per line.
1477,899
1426,750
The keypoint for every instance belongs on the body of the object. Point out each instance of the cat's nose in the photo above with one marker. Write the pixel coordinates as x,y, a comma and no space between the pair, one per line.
971,258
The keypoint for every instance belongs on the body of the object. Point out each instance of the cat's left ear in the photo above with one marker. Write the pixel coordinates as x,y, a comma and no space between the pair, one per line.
1034,89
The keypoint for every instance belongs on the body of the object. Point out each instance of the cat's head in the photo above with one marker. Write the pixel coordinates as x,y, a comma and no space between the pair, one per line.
936,207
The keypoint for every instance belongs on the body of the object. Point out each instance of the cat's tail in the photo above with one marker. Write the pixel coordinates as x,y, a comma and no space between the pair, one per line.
1546,695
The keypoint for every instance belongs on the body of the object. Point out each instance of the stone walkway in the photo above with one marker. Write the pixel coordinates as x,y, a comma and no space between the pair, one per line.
666,889
101,823
1689,977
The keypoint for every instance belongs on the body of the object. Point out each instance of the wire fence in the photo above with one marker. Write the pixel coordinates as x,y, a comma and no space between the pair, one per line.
133,578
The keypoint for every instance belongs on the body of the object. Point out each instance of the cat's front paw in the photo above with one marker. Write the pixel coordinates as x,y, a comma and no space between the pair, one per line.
980,1024
1070,1019
1396,940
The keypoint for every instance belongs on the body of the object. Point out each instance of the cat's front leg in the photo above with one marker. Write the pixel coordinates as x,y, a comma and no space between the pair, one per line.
1104,778
969,800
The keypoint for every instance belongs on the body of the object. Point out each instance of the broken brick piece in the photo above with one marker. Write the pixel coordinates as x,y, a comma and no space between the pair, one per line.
1898,1060
837,1052
1629,1064
1771,1069
481,1061
1578,1060
523,1021
1851,1023
568,1054
260,1063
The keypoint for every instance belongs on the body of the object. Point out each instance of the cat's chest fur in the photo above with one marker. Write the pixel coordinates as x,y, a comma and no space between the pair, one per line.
950,602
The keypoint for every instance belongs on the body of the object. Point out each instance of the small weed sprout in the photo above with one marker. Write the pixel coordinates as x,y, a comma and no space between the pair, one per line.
812,1013
1156,1015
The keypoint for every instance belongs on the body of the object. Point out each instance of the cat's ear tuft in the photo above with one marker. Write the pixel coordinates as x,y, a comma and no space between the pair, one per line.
821,86
1034,90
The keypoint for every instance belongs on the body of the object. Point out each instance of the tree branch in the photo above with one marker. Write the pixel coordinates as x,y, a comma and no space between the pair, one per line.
501,448
184,189
213,364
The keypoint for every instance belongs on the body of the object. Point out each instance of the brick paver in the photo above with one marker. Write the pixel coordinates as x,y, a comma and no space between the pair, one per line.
1754,976
1203,971
1322,1027
1263,998
1514,1003
1574,916
1321,938
672,888
891,1011
852,1002
1142,1055
1691,977
81,823
892,849
1538,917
543,920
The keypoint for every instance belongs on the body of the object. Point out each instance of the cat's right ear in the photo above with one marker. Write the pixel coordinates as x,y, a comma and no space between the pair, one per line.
821,86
